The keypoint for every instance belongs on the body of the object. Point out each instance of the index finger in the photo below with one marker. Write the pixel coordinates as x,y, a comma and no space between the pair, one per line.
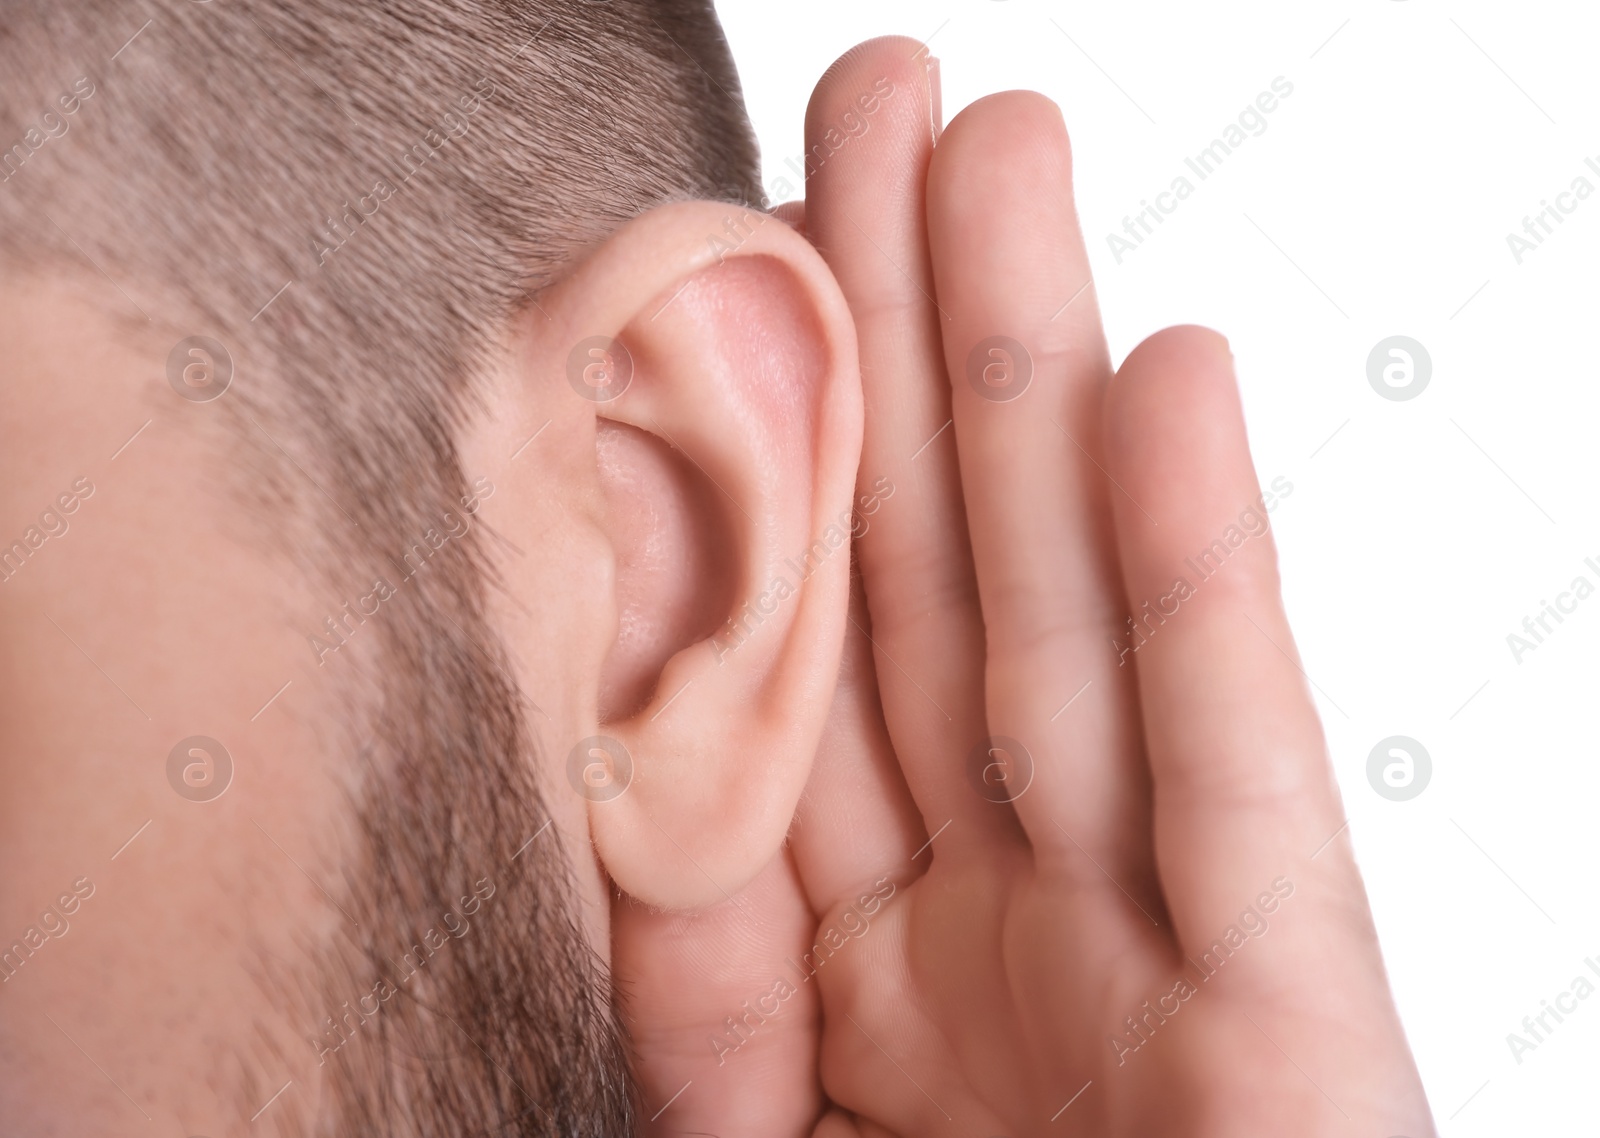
870,129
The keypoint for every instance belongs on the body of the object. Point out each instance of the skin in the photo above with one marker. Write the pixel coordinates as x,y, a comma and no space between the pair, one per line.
164,585
154,588
1168,796
746,385
989,948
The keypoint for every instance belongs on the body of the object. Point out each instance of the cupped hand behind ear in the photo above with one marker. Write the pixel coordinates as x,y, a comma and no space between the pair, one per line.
1121,898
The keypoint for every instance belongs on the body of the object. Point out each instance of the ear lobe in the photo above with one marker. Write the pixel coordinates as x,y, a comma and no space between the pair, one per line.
729,462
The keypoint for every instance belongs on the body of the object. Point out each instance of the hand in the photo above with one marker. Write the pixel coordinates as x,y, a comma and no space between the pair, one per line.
1162,931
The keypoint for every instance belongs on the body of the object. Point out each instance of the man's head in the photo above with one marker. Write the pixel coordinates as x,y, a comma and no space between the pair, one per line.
454,470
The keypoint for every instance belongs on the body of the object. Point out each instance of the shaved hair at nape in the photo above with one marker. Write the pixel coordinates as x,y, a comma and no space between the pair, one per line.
354,199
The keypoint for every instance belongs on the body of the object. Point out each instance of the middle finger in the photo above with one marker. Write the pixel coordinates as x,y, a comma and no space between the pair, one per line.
1028,366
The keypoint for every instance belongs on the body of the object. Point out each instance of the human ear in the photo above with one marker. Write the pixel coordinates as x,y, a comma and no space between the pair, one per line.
712,358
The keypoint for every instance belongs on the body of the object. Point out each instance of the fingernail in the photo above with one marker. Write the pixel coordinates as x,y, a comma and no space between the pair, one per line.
936,96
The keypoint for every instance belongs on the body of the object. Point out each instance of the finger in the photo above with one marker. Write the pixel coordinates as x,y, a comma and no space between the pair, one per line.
1244,794
857,822
1028,366
792,214
869,134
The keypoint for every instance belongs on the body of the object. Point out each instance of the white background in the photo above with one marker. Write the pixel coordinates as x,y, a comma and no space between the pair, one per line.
1420,533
